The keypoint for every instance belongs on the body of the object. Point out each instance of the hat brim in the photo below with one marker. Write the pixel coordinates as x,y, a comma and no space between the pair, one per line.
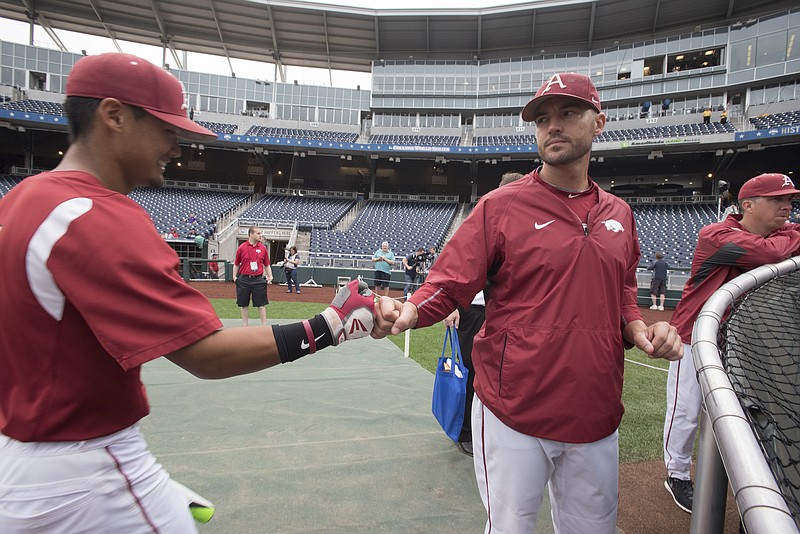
188,128
779,193
529,111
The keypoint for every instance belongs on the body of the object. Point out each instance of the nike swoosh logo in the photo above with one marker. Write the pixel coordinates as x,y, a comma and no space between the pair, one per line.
540,226
573,196
304,344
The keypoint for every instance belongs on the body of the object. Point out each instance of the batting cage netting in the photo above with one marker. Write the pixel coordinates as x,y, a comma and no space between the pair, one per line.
749,371
760,348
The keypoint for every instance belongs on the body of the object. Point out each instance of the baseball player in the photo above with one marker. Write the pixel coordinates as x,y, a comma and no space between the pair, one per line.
559,256
759,235
80,315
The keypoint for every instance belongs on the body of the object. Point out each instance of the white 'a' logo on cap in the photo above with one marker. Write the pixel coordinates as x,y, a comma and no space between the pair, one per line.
787,182
555,79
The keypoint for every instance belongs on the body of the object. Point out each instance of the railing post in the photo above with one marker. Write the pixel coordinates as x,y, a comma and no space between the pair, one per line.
711,483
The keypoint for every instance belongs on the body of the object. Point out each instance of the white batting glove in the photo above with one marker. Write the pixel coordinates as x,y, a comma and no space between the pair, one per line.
351,315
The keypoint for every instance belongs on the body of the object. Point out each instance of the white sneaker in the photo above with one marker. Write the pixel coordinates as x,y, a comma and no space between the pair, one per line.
661,308
653,307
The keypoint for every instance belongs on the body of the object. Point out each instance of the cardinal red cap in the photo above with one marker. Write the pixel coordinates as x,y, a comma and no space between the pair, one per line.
568,84
768,185
136,82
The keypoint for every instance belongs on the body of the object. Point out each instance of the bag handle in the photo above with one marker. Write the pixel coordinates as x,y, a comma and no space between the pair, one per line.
455,347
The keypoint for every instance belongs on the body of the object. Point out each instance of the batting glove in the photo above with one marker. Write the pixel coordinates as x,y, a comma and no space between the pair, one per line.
351,315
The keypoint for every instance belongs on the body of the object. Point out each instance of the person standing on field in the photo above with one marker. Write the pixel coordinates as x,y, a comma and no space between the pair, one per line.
757,236
383,260
250,267
558,256
658,283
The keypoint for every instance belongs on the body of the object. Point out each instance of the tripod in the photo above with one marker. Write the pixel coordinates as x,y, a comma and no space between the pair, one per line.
310,282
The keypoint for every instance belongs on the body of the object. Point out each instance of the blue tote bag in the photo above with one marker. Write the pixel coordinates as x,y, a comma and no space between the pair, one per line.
450,387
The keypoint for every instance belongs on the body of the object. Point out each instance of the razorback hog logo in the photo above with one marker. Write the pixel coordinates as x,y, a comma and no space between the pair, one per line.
613,226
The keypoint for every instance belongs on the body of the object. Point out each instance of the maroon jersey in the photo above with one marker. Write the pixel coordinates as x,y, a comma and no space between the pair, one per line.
90,293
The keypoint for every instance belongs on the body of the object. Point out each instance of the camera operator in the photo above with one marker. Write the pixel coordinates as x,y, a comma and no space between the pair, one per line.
430,258
411,265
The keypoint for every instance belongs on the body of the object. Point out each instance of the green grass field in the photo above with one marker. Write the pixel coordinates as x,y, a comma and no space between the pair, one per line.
643,394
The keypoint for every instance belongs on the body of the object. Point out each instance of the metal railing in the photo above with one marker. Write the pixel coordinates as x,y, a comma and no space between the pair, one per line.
728,447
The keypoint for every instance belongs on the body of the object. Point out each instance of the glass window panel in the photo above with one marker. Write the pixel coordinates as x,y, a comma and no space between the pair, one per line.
766,25
743,55
771,94
771,49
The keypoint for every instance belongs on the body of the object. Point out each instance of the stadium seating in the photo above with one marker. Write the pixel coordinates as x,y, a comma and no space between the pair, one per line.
405,225
34,106
661,132
790,118
171,208
218,127
293,133
671,229
423,140
7,182
494,140
309,212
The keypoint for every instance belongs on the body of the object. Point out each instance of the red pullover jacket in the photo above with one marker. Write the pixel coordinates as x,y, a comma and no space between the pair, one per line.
724,251
549,359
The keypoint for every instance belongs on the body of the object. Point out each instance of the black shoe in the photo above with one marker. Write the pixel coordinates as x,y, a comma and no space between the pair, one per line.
466,447
682,492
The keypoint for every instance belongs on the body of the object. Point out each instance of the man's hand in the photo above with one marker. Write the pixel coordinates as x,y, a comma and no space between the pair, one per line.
351,315
452,319
659,340
393,317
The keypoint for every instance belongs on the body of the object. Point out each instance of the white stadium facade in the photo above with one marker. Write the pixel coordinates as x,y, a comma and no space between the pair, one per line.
441,118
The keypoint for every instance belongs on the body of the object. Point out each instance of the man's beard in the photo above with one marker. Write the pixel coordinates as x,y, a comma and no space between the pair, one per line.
577,149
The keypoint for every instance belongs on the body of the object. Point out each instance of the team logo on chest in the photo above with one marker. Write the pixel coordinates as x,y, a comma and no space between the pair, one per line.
613,225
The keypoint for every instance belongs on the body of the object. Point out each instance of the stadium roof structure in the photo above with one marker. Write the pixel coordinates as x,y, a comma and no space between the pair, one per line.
308,34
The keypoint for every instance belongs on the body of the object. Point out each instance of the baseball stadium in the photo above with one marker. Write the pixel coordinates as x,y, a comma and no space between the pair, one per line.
340,126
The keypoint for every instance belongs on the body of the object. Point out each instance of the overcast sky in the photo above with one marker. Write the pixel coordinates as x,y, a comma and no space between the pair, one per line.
18,32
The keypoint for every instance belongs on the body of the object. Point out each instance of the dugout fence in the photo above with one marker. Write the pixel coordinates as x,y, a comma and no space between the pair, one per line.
748,366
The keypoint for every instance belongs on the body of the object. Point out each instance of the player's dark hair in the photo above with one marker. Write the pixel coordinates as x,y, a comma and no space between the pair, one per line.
80,111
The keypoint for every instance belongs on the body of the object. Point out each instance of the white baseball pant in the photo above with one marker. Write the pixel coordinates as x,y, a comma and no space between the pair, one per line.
108,484
512,470
684,398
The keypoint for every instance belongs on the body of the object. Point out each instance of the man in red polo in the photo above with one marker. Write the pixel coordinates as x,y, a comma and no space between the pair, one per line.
250,266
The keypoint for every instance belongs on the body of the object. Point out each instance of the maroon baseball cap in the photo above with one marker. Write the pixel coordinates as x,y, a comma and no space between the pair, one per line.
568,84
768,185
136,82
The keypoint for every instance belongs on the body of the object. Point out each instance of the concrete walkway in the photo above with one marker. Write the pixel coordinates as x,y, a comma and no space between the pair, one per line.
341,441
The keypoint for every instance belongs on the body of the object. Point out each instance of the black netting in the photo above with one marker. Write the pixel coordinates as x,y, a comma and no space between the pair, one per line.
760,344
